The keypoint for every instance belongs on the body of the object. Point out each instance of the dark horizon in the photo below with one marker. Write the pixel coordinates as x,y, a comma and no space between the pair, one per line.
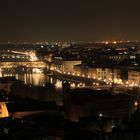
50,20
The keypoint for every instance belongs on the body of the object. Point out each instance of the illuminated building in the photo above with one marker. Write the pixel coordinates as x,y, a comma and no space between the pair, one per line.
64,65
3,110
134,77
68,65
98,72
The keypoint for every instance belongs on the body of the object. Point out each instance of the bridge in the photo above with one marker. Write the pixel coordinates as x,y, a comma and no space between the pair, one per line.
13,59
75,79
85,82
28,64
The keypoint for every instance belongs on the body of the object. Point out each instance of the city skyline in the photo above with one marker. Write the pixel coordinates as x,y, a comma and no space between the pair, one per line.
37,21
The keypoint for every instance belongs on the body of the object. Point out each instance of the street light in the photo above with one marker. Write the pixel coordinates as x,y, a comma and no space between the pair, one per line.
135,103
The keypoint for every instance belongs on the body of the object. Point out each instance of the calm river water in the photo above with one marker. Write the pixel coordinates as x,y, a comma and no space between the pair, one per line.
33,78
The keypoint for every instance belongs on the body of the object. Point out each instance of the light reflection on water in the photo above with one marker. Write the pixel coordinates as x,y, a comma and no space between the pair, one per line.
38,79
34,78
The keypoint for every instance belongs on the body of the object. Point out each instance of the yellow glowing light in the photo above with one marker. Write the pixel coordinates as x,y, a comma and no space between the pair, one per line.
106,42
73,85
58,84
97,84
135,103
3,110
37,70
33,56
89,76
114,42
0,72
100,114
126,82
78,85
83,75
52,68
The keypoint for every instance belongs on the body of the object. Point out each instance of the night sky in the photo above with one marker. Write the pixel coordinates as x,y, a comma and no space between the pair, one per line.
69,20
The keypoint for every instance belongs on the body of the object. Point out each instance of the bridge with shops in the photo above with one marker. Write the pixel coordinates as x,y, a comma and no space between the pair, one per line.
28,64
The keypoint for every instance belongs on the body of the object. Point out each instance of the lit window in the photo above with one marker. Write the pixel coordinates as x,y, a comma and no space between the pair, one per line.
132,57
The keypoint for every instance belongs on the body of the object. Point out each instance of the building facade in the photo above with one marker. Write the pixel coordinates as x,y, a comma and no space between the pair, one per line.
134,77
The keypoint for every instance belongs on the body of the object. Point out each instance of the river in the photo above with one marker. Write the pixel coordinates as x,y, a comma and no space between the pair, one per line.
37,79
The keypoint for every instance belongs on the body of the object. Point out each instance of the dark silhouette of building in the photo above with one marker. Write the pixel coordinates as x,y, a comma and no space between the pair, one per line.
80,103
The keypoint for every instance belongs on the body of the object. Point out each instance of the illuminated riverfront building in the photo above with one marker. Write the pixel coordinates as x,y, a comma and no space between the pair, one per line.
68,65
98,72
134,77
65,65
